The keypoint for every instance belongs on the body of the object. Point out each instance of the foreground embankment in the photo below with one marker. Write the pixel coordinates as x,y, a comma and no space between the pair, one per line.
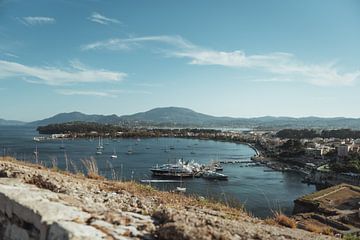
41,203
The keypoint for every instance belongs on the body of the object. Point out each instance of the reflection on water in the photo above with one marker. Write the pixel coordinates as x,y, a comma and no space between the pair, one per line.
260,191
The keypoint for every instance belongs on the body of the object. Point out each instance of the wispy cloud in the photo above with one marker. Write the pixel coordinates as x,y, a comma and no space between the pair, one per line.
55,76
71,92
98,93
11,55
280,65
129,43
101,19
36,20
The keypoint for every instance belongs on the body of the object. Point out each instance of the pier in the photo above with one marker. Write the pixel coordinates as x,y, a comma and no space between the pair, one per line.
235,161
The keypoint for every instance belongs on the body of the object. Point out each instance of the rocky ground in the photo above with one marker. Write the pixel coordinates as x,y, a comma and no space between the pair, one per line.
101,209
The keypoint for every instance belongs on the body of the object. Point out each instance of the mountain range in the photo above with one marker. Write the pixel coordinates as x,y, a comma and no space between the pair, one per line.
183,117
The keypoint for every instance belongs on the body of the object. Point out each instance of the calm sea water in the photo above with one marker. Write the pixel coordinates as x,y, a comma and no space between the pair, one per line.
261,191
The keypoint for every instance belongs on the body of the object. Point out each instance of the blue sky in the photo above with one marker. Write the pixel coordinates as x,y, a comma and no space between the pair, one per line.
233,58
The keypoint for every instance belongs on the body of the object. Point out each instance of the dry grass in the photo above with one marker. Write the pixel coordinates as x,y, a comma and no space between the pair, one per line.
315,228
284,220
91,168
172,199
270,221
29,164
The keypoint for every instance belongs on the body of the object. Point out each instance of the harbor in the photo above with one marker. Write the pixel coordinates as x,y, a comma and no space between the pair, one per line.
247,184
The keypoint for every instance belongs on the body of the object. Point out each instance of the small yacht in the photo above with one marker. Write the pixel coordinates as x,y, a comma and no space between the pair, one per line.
98,152
180,189
214,175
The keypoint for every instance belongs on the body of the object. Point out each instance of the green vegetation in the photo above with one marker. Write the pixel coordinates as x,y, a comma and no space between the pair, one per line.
310,133
350,164
291,148
86,129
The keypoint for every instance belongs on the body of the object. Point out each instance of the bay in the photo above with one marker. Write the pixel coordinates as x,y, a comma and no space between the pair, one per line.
261,192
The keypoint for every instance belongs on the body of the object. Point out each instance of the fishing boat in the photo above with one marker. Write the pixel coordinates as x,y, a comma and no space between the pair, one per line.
214,175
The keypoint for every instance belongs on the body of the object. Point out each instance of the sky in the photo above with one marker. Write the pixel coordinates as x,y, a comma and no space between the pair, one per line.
224,58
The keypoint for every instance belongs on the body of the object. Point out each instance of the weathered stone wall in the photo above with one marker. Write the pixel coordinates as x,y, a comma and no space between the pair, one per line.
27,212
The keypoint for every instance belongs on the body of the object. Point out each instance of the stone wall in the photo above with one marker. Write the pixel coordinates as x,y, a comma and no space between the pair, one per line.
27,212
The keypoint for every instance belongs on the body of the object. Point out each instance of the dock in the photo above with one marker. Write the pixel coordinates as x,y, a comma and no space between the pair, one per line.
235,161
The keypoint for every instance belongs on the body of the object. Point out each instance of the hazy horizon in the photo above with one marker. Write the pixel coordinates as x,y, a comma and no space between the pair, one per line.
229,58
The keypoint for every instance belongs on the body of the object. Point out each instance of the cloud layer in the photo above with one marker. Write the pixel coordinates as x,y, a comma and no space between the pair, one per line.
101,19
32,21
55,76
277,64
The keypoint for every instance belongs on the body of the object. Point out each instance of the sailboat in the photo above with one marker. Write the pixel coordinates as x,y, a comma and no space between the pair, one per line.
180,189
100,146
129,152
114,155
62,146
36,154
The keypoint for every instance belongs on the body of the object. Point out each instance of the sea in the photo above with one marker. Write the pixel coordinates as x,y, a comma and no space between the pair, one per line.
259,189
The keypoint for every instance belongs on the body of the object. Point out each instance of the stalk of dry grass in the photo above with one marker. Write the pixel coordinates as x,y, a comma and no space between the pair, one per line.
112,170
74,167
284,220
91,168
54,163
66,162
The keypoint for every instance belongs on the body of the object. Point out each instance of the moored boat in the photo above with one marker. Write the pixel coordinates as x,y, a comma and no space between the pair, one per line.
214,175
180,169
